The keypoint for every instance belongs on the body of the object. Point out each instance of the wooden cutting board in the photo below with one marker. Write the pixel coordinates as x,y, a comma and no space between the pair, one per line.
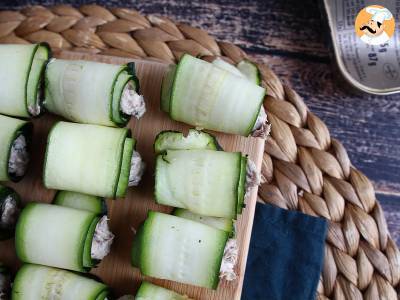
126,214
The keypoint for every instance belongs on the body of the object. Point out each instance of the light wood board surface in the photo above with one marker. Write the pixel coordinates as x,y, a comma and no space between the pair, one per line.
127,214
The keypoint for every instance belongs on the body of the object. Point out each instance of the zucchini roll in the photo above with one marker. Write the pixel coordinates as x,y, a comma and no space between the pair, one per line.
191,174
5,283
93,92
15,137
207,96
40,282
94,204
62,237
21,70
91,159
10,205
173,248
149,291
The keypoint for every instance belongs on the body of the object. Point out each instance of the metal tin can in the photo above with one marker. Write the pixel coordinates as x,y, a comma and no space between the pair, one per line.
374,69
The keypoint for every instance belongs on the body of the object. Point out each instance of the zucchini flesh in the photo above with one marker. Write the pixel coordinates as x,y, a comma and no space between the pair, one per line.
209,97
242,185
69,92
250,71
40,282
149,291
218,223
7,229
123,181
84,158
53,235
11,128
21,68
175,140
178,249
202,181
75,200
220,63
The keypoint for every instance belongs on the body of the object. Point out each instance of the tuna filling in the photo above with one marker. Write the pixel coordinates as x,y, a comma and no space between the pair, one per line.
137,169
102,240
9,213
229,260
19,157
262,127
132,103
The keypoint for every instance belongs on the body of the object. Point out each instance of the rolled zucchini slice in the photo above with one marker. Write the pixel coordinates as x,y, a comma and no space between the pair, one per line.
175,140
5,283
10,206
41,282
15,138
149,291
91,159
21,70
205,182
93,92
61,237
173,248
207,96
227,66
250,71
94,204
218,223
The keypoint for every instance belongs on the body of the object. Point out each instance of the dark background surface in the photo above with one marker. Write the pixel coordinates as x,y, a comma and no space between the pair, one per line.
289,35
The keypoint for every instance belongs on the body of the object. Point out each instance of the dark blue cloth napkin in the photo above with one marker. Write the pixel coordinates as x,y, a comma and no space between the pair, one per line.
286,255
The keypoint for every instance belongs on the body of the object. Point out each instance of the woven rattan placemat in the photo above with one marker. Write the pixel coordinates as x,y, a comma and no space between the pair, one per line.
304,168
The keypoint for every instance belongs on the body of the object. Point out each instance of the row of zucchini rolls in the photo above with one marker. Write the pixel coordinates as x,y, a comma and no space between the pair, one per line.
93,158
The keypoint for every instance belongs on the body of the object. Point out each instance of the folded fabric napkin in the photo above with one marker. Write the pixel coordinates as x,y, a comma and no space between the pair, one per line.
286,255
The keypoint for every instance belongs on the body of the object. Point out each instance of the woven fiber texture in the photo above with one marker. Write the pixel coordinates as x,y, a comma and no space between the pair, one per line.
304,168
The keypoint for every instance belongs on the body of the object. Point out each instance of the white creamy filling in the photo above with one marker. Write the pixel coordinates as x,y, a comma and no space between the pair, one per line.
253,178
137,169
10,212
261,127
102,240
34,110
132,103
229,260
19,157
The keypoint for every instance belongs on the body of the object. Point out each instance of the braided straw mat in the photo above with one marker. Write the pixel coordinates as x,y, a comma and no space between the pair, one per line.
304,168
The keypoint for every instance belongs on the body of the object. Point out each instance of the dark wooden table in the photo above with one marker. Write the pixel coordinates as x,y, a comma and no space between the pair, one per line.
289,36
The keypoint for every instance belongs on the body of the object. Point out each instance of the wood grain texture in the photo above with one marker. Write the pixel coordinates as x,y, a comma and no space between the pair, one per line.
126,214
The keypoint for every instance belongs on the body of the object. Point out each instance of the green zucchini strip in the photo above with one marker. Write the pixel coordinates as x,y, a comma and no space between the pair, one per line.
207,96
15,136
94,204
87,159
205,182
21,70
175,140
173,248
149,291
41,282
218,223
55,236
92,92
10,206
